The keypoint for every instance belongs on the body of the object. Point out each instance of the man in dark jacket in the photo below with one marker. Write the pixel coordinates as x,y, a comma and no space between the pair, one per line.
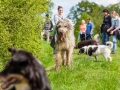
105,25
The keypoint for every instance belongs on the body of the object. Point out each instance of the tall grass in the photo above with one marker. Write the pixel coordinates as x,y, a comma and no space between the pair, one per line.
84,74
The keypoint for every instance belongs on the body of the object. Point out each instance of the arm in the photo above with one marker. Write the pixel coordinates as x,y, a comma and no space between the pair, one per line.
112,27
51,25
91,28
55,19
118,25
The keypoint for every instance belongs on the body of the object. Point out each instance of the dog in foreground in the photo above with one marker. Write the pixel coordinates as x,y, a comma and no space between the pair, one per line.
65,42
23,72
95,50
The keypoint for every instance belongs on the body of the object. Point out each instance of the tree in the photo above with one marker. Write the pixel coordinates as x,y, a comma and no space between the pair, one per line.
84,16
19,25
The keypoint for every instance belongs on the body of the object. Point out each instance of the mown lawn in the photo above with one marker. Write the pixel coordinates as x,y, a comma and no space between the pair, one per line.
84,74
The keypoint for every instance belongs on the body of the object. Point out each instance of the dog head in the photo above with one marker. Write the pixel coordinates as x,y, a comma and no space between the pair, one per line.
64,26
83,50
22,68
97,38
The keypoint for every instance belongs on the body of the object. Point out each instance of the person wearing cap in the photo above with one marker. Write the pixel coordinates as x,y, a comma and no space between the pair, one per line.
47,27
89,29
105,25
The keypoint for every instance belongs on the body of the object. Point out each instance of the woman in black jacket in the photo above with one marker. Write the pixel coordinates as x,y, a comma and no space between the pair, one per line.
105,25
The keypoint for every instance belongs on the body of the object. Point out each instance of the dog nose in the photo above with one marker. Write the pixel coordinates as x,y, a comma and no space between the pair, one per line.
61,32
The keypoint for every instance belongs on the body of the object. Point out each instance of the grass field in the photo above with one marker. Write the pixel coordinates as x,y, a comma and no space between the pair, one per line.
84,74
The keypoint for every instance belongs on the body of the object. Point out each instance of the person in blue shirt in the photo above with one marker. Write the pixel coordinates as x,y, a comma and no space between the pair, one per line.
89,29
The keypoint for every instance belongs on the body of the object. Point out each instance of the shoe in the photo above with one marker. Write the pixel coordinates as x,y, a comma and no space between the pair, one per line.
113,52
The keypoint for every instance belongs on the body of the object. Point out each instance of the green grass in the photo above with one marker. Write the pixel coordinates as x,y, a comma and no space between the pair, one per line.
84,74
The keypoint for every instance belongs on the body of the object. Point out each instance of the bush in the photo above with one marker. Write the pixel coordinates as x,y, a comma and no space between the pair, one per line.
20,23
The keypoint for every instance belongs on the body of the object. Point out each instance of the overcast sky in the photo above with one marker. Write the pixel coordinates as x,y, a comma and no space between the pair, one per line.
67,4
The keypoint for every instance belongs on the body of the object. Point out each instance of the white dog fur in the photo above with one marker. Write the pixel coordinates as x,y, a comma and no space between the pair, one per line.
95,50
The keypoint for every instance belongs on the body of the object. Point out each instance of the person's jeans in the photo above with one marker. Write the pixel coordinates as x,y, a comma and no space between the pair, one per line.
55,37
114,42
105,37
78,36
47,34
82,36
88,37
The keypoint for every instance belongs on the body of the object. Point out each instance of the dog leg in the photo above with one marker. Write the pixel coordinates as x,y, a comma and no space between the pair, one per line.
64,58
96,59
88,57
106,58
57,61
110,58
69,57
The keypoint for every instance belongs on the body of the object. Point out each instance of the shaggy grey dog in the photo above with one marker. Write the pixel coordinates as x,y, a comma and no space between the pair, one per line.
65,42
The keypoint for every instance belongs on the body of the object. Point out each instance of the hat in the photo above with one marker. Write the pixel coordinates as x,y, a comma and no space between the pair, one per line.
47,15
88,18
105,10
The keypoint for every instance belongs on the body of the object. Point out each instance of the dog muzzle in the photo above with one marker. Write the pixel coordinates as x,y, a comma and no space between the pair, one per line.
63,37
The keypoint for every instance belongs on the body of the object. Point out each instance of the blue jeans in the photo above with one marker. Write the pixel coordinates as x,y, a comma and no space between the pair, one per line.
105,37
78,36
54,36
114,42
88,37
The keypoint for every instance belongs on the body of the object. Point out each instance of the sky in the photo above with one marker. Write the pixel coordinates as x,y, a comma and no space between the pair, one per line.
67,4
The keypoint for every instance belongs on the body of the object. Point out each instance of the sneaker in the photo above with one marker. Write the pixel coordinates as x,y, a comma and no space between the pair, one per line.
113,52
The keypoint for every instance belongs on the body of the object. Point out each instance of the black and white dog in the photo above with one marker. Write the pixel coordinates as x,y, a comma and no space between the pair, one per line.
95,50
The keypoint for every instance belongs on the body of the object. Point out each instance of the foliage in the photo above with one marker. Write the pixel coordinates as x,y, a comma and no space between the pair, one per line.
20,25
93,10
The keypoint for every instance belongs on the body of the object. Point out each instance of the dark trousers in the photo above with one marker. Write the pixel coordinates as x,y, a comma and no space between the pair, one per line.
88,37
82,37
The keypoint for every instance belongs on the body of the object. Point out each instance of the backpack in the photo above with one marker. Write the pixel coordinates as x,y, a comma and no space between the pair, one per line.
48,25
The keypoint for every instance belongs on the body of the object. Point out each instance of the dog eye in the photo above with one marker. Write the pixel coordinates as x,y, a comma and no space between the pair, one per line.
59,26
65,26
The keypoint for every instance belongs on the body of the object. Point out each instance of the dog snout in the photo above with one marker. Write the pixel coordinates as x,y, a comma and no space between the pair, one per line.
61,32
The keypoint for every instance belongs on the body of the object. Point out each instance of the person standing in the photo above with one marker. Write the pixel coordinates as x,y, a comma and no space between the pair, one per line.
105,25
47,27
89,29
82,30
56,18
113,29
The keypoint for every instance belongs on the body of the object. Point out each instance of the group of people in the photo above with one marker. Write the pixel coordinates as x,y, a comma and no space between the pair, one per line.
86,30
110,27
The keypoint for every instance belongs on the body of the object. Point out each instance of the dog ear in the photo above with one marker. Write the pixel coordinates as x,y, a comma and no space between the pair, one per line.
90,51
95,48
12,50
81,50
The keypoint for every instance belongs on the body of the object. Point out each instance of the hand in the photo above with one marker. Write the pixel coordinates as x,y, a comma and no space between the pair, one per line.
111,32
108,30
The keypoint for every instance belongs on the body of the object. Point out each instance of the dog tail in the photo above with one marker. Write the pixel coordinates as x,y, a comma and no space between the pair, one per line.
109,44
